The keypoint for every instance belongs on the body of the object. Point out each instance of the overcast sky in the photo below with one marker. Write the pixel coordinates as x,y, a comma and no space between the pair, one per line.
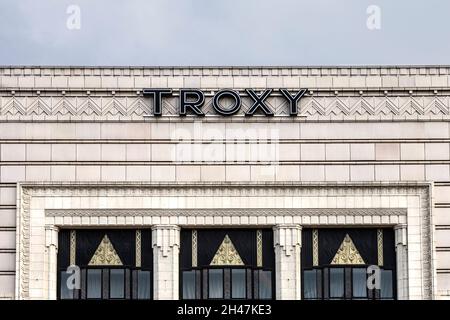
224,32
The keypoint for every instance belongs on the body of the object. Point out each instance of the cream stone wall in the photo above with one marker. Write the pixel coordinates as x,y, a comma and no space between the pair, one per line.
355,125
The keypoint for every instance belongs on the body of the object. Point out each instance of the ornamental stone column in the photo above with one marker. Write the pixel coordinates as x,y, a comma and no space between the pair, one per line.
51,255
401,250
166,248
287,243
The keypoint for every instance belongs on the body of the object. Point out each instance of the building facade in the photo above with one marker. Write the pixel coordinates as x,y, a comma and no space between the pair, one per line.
225,183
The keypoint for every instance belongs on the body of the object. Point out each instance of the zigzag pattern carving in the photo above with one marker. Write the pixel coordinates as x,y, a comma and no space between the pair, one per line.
316,107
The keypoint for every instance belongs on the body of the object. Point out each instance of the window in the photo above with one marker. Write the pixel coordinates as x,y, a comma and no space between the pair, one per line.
117,283
336,283
310,284
215,284
345,283
189,283
359,283
386,289
226,283
238,284
265,284
144,285
65,292
94,284
109,283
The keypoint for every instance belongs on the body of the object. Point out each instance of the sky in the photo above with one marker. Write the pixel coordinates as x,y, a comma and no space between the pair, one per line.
224,32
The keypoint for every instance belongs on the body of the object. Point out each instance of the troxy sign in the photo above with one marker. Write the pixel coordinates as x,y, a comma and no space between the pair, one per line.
191,101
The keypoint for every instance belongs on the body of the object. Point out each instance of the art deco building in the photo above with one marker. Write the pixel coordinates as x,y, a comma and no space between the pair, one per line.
231,183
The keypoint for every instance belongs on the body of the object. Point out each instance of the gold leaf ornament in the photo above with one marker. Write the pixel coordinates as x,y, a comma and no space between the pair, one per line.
227,254
105,255
347,253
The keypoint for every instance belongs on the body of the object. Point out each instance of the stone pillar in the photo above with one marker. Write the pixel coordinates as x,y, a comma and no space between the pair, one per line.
51,248
401,249
287,243
166,248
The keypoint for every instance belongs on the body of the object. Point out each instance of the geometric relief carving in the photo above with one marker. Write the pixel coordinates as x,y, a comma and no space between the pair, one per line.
347,253
437,107
138,248
105,255
39,107
64,107
113,108
13,107
226,255
259,249
90,107
73,247
380,247
315,246
194,248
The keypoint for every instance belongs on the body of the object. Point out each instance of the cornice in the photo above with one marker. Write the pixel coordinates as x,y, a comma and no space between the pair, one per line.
370,70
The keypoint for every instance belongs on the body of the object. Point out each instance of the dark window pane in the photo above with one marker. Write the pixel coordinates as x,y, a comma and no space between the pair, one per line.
310,284
336,283
65,292
144,285
238,284
265,284
359,283
189,284
94,284
117,283
386,290
215,281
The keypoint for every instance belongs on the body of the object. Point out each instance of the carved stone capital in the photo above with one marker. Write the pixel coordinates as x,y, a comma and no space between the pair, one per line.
401,235
51,236
287,237
165,238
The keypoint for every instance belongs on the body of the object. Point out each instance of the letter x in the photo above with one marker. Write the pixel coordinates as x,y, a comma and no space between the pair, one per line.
259,102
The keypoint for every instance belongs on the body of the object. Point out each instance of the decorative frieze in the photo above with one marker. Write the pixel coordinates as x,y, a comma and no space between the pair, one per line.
311,106
226,212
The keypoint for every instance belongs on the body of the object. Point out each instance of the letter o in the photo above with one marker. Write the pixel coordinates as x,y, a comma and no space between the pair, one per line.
230,111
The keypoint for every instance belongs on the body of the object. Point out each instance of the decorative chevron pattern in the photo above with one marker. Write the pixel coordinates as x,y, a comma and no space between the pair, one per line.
109,107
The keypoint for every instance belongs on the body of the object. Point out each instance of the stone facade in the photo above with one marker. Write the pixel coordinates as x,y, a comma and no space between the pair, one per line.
80,147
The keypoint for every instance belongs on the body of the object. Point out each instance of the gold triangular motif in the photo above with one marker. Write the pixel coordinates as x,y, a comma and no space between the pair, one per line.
105,255
347,253
226,255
